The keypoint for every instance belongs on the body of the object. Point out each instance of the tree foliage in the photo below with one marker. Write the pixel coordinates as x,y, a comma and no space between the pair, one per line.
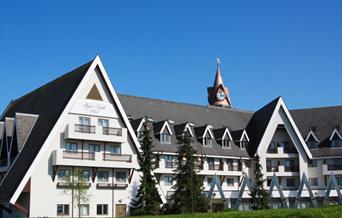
188,195
78,186
147,200
259,199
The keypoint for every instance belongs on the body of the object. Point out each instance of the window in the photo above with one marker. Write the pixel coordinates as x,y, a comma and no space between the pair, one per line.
209,180
165,138
312,163
93,148
62,209
313,181
140,135
70,147
168,180
339,180
85,174
230,181
103,122
85,121
336,143
272,148
290,182
84,209
226,143
269,182
102,209
102,176
207,141
63,174
243,144
115,149
120,177
312,144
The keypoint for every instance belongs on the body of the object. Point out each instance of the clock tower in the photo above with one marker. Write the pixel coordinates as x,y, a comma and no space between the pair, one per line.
218,95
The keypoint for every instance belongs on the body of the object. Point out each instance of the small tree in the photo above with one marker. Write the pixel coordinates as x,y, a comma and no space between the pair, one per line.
78,186
259,198
188,196
147,200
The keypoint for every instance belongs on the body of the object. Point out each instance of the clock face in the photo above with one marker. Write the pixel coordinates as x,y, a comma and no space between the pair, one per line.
220,95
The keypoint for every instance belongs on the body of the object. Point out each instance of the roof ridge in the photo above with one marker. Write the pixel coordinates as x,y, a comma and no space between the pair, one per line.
317,108
188,104
52,81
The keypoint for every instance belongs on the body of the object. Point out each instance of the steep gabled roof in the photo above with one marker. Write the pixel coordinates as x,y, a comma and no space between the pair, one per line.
257,125
48,102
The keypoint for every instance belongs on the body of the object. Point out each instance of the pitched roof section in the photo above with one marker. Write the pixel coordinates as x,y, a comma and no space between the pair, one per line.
48,102
160,110
257,125
322,122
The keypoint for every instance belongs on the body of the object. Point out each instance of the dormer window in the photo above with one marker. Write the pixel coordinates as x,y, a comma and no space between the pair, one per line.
335,139
243,144
226,143
312,144
207,141
311,140
165,138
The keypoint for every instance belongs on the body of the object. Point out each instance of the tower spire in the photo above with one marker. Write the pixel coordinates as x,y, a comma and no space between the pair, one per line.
218,94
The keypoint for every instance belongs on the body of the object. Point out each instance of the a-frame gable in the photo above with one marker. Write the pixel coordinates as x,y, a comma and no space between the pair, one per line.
304,181
335,132
246,183
244,136
91,67
311,134
226,133
208,131
217,183
166,126
281,116
275,184
332,184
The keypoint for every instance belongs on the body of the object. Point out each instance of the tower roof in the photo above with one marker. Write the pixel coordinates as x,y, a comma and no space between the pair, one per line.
218,78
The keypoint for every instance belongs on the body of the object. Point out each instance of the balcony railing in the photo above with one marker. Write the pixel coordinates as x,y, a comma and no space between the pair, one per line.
215,167
84,128
334,167
291,168
290,150
112,131
234,168
117,157
272,150
170,164
272,168
79,155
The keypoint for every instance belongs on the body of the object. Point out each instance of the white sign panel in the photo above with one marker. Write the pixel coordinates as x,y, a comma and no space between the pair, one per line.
93,107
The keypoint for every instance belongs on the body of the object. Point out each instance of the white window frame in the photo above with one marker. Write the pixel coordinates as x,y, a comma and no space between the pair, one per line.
82,119
101,121
230,184
102,207
86,206
168,181
120,181
63,209
99,179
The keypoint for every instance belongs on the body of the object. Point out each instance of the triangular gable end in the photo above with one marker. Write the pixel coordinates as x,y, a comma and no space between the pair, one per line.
275,183
246,182
335,132
305,182
227,133
94,94
96,64
332,184
207,130
310,135
167,126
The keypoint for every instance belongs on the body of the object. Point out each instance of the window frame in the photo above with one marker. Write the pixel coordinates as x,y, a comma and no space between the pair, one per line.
81,211
230,184
102,209
83,118
101,121
63,178
99,178
64,206
116,178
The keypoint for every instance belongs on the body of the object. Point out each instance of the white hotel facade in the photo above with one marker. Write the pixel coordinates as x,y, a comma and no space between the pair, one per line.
79,122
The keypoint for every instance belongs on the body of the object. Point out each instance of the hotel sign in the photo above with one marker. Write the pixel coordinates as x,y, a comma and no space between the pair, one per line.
94,108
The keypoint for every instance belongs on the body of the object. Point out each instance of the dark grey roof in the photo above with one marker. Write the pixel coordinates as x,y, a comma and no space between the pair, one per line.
24,124
48,102
322,121
179,129
218,133
180,113
236,135
257,125
157,127
135,123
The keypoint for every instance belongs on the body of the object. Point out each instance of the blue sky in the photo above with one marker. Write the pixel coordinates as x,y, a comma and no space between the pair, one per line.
167,49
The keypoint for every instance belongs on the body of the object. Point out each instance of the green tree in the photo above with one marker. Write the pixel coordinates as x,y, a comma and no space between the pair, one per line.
147,201
78,185
188,196
258,194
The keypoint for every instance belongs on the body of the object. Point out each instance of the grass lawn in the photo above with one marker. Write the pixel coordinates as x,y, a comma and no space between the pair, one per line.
330,211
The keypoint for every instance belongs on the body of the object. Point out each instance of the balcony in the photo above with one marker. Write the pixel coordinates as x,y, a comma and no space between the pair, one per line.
111,185
334,167
291,168
215,166
79,155
235,167
170,164
272,168
84,128
117,157
95,133
111,131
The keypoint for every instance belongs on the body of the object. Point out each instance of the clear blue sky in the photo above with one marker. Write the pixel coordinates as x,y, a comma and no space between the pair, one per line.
167,49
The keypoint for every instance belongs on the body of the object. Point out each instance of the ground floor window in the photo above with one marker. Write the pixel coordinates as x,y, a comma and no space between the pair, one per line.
62,209
102,209
230,181
84,209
